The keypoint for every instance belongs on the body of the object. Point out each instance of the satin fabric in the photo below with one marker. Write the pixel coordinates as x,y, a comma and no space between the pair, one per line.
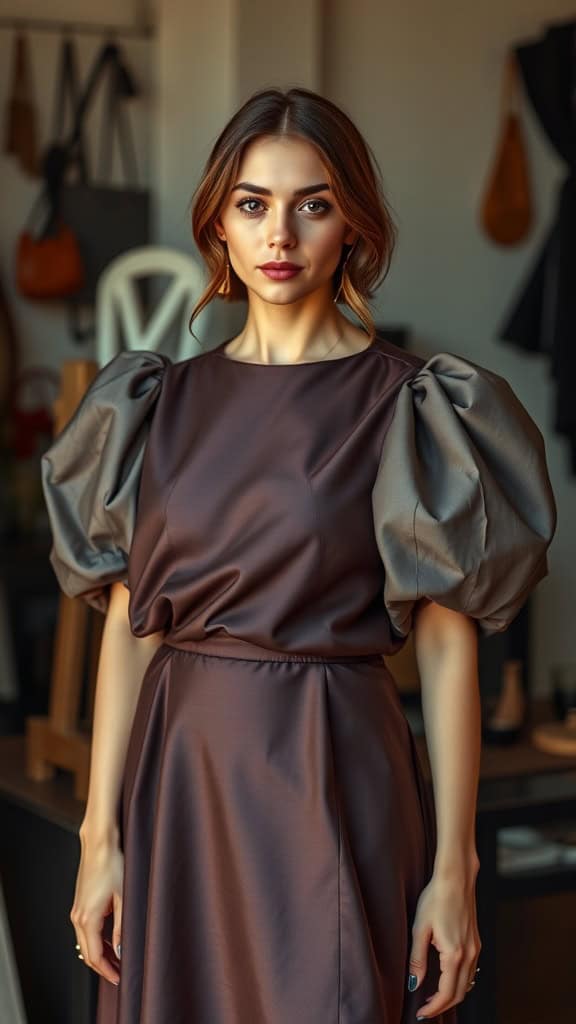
91,472
276,828
277,835
463,506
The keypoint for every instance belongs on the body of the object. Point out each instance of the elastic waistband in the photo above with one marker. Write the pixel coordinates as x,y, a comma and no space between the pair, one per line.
231,647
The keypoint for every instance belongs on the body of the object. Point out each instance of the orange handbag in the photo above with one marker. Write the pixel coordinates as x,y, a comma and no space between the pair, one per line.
506,212
49,262
49,266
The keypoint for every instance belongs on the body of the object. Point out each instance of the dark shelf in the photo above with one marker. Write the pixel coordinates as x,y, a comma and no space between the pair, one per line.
534,882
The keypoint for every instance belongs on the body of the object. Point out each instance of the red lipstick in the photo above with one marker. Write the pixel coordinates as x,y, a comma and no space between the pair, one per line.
280,270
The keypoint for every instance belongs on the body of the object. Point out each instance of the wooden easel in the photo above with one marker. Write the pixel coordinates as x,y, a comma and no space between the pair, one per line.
60,739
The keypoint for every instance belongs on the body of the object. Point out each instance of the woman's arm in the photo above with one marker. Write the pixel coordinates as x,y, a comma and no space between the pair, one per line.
122,663
446,648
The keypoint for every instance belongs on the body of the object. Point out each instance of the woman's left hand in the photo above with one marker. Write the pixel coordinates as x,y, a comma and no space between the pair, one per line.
446,917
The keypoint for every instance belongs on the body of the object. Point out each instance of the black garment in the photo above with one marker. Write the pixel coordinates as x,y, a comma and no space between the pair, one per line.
543,317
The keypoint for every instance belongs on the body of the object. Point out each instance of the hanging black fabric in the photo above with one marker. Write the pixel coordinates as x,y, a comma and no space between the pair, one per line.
543,316
60,152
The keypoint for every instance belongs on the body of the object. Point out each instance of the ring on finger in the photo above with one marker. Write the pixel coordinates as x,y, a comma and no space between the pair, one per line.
472,980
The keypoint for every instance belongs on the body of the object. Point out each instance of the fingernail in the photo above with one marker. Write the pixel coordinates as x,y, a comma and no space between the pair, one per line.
412,982
118,950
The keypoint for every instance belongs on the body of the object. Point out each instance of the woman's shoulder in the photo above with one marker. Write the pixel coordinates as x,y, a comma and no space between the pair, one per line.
127,371
398,362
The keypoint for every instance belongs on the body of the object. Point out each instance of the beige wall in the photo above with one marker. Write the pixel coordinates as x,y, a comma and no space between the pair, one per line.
211,57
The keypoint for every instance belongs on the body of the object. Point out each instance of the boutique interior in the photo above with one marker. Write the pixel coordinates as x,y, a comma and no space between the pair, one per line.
470,112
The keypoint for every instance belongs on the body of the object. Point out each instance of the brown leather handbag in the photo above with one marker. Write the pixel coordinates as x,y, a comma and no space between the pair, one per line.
49,262
49,267
507,211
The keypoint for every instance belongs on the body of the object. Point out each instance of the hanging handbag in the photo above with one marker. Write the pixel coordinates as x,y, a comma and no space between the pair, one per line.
88,223
49,263
506,211
107,218
49,266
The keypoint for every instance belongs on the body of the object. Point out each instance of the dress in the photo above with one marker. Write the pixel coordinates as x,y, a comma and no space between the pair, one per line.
279,523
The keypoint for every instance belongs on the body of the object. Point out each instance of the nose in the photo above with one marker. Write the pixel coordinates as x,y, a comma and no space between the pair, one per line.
281,234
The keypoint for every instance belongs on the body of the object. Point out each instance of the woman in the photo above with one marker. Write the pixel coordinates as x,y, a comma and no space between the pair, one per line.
257,836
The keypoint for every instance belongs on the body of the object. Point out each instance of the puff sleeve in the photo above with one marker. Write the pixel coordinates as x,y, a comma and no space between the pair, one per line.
462,503
90,475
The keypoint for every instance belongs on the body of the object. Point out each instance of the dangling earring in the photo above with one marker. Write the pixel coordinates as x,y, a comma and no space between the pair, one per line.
342,274
225,286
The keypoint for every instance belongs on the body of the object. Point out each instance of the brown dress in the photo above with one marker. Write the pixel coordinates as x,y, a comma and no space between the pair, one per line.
279,522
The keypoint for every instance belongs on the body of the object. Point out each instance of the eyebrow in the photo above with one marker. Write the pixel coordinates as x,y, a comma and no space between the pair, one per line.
322,187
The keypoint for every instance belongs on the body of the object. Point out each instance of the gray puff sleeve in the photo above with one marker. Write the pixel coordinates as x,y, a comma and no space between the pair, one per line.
91,472
462,503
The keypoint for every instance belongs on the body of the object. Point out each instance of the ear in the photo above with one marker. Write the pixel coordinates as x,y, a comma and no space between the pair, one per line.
351,236
220,230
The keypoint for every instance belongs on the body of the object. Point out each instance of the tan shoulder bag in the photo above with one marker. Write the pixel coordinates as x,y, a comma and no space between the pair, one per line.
506,212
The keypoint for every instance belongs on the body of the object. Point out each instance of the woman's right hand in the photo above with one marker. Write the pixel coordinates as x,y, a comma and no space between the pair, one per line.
98,892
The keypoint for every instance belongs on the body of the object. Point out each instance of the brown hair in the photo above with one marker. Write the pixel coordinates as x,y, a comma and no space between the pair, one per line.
354,176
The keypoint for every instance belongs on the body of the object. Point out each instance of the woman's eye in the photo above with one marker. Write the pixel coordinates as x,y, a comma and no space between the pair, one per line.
242,205
321,205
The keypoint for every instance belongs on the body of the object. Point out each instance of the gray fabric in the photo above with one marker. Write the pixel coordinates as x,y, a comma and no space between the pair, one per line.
90,475
463,507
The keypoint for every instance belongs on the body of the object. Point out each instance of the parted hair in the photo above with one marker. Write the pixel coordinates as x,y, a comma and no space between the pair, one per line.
353,173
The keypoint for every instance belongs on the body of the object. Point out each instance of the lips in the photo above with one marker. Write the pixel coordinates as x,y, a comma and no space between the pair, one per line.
280,265
280,271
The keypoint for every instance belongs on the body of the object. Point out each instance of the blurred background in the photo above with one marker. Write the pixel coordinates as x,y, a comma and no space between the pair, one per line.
471,116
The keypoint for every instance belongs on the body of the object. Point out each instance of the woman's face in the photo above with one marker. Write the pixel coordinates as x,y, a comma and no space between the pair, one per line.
264,221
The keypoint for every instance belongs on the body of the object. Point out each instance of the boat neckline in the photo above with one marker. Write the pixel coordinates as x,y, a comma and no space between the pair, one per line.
217,351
